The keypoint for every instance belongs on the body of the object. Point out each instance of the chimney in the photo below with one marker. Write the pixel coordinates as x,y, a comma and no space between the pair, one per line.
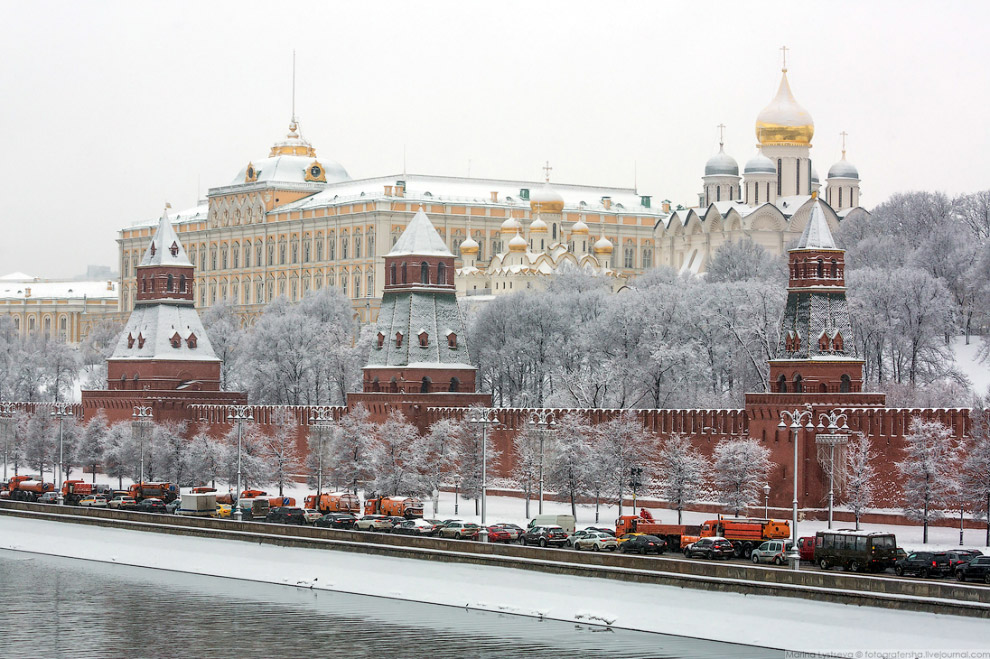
27,291
665,205
400,188
388,190
607,202
109,285
494,196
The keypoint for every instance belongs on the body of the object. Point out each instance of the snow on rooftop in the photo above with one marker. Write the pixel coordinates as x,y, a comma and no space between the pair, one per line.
104,289
18,276
165,247
149,331
291,169
420,238
816,234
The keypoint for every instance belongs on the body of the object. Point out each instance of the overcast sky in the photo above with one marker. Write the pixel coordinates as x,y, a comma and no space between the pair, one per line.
110,109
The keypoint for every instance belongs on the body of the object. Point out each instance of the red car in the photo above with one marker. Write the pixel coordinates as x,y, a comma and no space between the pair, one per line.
496,534
806,547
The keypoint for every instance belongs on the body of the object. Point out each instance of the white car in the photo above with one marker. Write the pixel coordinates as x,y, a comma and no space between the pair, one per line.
121,501
97,501
596,541
311,515
772,551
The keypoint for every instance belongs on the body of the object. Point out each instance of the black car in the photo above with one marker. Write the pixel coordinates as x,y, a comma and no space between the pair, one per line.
710,548
959,557
643,544
924,564
977,569
286,515
545,536
151,506
336,521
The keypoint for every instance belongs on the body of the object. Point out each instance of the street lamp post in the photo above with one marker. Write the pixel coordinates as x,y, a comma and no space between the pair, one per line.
598,486
766,501
139,428
60,411
635,473
831,439
457,485
544,422
484,417
796,417
7,422
321,420
239,414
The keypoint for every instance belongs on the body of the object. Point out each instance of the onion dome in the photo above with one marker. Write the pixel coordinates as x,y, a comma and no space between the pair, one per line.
721,164
814,176
784,121
759,164
511,225
843,169
538,225
469,246
579,228
546,200
518,244
602,246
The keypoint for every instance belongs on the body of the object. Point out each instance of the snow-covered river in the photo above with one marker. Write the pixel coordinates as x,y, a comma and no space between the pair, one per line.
60,607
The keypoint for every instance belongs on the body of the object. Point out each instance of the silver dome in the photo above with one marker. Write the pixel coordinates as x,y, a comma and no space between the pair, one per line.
814,175
721,164
843,169
760,164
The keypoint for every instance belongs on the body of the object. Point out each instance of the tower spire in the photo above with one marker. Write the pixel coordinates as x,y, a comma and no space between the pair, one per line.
783,50
546,171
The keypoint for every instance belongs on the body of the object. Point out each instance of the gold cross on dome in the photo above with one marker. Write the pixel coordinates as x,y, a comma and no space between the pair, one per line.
843,134
784,49
721,134
546,171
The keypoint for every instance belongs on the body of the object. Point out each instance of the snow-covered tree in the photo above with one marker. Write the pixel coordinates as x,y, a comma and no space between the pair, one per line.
681,471
740,468
393,462
928,470
94,350
526,462
436,454
89,452
207,457
255,470
170,450
568,470
117,448
621,445
278,449
351,448
41,442
469,466
320,439
860,473
974,476
745,259
223,327
60,366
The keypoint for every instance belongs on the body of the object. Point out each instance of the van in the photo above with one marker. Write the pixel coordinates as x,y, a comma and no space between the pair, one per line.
855,550
566,522
253,508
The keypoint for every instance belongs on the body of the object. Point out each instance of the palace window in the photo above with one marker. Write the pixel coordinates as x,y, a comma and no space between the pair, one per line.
306,250
441,274
235,256
319,247
223,257
343,247
331,246
357,245
213,258
170,284
281,251
371,284
357,285
247,254
271,251
371,245
424,273
628,257
295,252
343,283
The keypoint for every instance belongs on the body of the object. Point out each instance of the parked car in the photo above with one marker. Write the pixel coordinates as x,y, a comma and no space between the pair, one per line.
515,531
93,501
710,548
498,534
772,551
644,544
151,506
603,529
311,515
924,564
977,569
459,530
959,557
286,515
373,523
416,526
48,497
577,535
625,537
336,521
224,509
172,507
545,536
122,501
595,541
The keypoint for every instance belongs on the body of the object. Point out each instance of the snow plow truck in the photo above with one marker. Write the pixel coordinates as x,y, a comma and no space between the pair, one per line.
28,488
408,507
334,502
75,489
167,492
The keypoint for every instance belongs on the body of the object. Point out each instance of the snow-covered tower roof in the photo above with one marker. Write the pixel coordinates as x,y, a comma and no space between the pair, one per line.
165,247
816,234
420,237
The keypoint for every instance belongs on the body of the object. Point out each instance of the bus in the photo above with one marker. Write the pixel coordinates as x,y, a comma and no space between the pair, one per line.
855,551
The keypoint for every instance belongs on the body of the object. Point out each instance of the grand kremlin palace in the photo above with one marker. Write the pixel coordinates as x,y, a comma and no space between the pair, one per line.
295,221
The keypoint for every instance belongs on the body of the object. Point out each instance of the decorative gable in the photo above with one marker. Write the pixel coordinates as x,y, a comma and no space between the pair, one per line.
191,340
380,341
175,340
130,340
140,340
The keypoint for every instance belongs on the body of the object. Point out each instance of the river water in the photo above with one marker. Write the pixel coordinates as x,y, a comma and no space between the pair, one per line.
60,607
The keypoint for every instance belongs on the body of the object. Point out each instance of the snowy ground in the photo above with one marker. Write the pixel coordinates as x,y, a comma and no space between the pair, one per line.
794,624
966,361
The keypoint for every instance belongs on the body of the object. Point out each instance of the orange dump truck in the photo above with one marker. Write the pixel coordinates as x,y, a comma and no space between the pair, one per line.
167,492
75,489
334,502
674,534
408,507
28,488
745,533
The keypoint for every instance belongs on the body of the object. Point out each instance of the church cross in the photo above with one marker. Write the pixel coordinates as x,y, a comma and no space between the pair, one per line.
784,49
721,134
843,134
546,171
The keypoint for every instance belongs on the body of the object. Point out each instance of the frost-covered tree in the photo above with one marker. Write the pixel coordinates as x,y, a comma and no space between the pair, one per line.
117,448
255,470
94,350
207,457
745,259
89,452
60,366
437,453
170,450
393,462
320,440
40,442
223,327
469,466
928,471
621,444
681,471
278,449
526,462
740,468
974,475
351,448
568,469
860,475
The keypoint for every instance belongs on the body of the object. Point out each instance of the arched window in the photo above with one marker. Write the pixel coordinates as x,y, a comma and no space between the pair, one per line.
718,193
404,280
822,388
455,384
170,284
319,247
393,272
306,252
797,177
424,273
845,384
271,251
357,245
376,385
331,246
782,384
295,252
441,274
821,269
235,256
840,197
555,231
393,386
281,251
223,256
835,269
425,386
798,386
343,247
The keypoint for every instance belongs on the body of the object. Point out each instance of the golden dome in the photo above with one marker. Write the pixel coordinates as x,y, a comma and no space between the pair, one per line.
511,225
579,228
538,225
518,244
784,121
546,200
602,246
469,246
